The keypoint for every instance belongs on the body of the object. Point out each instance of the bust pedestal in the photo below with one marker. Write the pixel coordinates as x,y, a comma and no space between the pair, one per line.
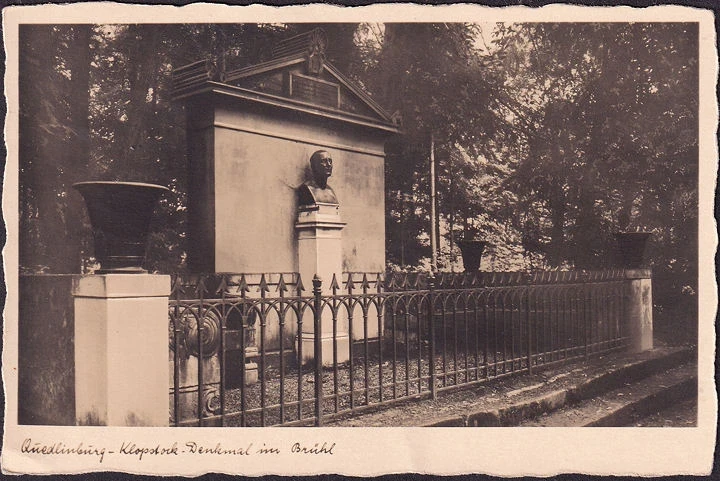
319,229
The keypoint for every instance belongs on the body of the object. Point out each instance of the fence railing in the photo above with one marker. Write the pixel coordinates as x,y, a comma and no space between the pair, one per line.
375,339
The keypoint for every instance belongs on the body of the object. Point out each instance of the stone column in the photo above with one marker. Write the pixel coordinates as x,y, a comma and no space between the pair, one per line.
320,252
121,350
638,309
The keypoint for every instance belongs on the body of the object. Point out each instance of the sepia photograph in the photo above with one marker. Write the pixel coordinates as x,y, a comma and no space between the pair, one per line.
355,226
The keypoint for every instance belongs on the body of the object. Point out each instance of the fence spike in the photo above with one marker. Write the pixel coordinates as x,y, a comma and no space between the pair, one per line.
242,285
281,287
222,285
200,287
379,283
299,285
365,285
177,287
349,284
263,287
334,283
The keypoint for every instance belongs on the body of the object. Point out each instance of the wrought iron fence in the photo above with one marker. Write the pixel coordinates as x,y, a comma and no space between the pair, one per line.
283,355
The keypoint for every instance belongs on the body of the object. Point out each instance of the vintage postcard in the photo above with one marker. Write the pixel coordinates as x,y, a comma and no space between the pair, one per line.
384,239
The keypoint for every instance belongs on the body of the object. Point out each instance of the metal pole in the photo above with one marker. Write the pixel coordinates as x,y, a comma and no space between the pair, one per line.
528,320
317,293
433,226
431,319
586,310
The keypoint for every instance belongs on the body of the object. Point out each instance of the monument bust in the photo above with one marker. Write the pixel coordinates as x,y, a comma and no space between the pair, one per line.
317,191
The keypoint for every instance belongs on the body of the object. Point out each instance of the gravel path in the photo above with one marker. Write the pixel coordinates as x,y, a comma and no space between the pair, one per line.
279,404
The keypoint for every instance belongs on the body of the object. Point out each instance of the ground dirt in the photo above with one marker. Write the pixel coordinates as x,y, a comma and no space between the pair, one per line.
683,414
498,394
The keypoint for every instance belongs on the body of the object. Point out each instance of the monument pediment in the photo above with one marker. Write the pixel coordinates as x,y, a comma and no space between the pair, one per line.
296,75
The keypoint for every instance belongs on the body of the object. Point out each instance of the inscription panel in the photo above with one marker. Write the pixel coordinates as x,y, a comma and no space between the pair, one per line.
314,90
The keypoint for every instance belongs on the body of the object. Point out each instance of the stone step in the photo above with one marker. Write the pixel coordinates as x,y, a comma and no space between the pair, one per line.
621,406
681,414
593,380
514,399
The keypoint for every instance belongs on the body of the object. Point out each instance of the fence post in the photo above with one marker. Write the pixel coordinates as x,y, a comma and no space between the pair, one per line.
317,294
638,309
122,373
431,319
528,324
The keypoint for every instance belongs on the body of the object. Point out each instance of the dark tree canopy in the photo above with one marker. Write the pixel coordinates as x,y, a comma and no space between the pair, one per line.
549,137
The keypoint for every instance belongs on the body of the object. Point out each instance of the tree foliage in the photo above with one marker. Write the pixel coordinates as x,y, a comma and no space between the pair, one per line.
54,137
610,114
548,137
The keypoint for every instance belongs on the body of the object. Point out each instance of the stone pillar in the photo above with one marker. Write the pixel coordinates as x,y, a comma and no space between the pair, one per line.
121,350
638,309
320,252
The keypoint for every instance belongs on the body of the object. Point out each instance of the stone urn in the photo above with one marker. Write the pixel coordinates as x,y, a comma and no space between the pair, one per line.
120,214
472,251
631,247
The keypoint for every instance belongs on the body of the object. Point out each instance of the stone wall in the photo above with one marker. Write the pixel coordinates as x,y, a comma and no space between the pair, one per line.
245,166
46,372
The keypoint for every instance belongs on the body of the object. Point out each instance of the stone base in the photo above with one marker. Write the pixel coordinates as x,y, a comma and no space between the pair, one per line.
638,314
251,373
121,348
308,348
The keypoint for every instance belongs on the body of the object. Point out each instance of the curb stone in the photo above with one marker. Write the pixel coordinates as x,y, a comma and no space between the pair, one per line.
649,404
633,371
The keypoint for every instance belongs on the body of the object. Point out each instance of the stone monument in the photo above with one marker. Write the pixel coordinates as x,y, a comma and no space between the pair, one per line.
250,133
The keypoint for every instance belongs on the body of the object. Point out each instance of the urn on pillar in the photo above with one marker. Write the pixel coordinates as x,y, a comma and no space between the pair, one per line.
121,342
472,251
120,214
631,246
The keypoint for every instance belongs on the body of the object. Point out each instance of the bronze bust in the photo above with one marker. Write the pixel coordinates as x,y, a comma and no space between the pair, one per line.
317,190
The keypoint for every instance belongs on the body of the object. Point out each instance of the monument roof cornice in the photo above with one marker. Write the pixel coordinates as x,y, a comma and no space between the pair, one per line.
298,77
244,94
